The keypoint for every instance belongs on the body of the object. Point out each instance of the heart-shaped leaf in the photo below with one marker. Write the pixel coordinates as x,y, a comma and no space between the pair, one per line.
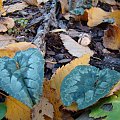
85,85
3,110
22,76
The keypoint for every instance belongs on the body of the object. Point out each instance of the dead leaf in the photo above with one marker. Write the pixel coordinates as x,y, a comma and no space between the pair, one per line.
116,16
64,6
8,53
96,16
115,89
35,2
111,38
11,49
6,23
15,7
83,17
6,40
52,87
73,47
42,110
17,110
51,95
20,46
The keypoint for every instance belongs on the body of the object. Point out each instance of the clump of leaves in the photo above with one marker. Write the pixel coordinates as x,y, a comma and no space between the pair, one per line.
22,76
21,23
85,85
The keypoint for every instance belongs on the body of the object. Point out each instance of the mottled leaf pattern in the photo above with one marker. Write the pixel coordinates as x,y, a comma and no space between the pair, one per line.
22,76
85,85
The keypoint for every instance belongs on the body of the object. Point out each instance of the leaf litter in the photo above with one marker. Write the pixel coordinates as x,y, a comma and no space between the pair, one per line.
43,24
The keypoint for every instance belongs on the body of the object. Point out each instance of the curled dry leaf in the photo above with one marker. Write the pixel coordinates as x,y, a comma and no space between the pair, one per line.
20,110
52,87
11,49
43,110
15,7
73,47
6,23
35,2
111,38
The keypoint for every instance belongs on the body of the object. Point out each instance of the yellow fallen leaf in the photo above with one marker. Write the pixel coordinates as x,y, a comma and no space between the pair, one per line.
20,46
111,38
8,53
116,16
6,23
11,49
15,7
17,110
42,110
52,87
96,16
51,95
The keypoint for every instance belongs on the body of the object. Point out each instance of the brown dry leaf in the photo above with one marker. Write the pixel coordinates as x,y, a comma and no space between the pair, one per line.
51,95
43,111
11,49
96,16
16,110
116,16
73,47
52,87
35,2
6,40
6,23
15,7
64,6
111,38
83,17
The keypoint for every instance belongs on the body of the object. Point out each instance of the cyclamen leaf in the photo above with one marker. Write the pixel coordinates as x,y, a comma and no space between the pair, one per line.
85,85
22,76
